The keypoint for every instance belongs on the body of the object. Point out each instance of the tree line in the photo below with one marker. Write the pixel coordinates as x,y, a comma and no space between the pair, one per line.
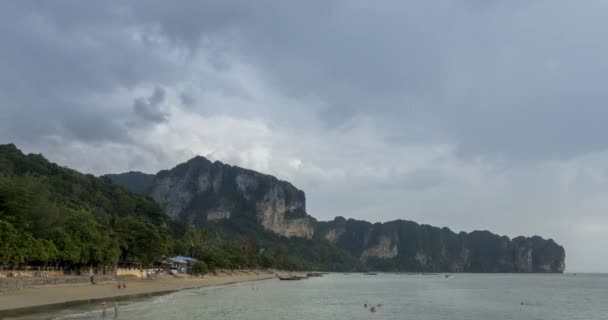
54,216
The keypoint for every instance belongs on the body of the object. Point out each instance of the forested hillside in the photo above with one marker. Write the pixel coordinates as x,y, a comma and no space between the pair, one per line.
406,245
240,201
54,215
227,217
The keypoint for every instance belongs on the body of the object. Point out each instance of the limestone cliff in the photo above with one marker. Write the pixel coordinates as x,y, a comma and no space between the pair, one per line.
200,191
407,246
244,201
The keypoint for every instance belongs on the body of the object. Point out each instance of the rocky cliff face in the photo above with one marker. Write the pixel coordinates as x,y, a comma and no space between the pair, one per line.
405,245
203,192
200,191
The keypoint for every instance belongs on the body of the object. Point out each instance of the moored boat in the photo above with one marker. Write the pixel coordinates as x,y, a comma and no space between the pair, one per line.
291,277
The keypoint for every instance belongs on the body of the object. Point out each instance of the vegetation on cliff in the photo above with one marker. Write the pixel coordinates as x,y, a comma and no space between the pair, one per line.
407,246
54,215
251,203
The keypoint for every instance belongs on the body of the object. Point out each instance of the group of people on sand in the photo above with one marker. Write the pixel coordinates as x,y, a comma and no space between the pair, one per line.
104,306
122,284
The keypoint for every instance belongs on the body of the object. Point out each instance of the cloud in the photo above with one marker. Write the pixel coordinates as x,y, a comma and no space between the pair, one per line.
149,109
476,115
186,99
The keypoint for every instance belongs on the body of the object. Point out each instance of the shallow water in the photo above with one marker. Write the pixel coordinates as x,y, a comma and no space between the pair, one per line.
341,297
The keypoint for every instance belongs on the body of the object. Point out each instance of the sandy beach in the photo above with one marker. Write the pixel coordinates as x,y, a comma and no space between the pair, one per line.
54,294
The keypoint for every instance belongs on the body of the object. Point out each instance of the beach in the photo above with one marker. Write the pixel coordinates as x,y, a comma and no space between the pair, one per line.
56,294
336,296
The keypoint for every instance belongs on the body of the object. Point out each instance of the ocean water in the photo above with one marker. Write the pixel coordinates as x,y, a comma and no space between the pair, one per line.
341,297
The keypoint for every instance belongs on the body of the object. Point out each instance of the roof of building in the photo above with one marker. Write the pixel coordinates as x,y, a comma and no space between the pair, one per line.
182,259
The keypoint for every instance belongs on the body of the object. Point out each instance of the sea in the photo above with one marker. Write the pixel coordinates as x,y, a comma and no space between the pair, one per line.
357,296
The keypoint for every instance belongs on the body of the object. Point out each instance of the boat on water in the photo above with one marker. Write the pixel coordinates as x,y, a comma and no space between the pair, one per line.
371,274
291,277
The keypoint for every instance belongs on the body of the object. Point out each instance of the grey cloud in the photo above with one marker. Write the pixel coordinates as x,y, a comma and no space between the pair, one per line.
490,77
149,109
499,79
187,99
157,96
421,179
509,84
62,64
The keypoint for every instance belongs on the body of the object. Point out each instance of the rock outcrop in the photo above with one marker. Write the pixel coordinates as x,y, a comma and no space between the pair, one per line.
407,246
200,191
204,192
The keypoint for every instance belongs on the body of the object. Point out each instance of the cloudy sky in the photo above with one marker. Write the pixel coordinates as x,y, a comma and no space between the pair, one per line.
468,114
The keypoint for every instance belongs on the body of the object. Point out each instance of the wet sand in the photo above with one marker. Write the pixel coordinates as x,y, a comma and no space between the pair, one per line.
56,294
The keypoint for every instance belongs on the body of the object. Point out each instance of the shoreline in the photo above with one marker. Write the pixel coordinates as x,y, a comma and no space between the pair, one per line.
38,299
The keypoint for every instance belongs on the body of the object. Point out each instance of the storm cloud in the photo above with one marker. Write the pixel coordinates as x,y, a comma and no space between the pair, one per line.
466,114
149,108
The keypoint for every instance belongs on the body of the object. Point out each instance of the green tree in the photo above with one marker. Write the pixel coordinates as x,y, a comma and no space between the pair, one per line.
15,200
200,267
17,247
193,241
141,240
83,241
11,248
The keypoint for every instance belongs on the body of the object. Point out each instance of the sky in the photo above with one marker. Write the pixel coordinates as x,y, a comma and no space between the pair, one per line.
475,115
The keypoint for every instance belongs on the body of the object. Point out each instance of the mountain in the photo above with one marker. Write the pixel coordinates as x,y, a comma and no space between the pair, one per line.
73,189
203,192
217,195
51,214
406,245
135,181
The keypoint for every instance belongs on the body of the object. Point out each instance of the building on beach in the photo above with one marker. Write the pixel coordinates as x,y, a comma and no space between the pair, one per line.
181,264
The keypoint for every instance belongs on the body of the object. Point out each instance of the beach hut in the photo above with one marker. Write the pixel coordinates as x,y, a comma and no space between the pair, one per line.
181,264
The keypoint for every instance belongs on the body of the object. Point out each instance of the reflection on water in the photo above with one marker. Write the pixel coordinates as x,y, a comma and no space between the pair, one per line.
385,296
